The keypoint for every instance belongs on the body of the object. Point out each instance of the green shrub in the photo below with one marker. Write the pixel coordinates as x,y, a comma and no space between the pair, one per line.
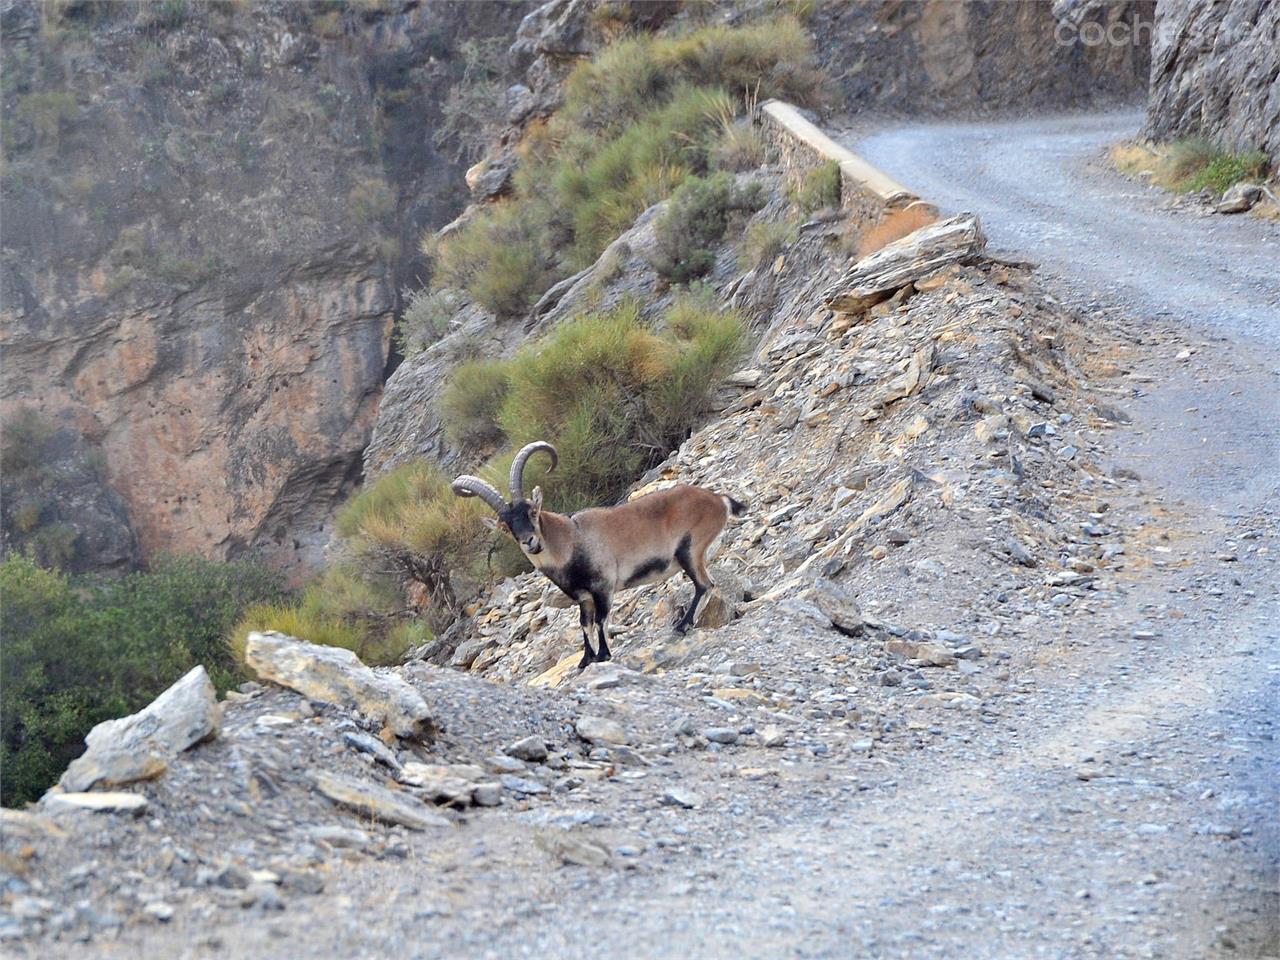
371,200
78,653
47,111
638,119
741,147
695,222
1223,170
764,240
425,319
502,258
344,608
614,397
409,521
818,188
471,402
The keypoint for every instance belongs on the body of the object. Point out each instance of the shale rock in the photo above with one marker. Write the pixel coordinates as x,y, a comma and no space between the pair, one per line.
334,675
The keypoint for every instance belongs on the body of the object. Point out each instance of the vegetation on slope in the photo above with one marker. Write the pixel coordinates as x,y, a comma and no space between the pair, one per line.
638,120
1191,165
77,652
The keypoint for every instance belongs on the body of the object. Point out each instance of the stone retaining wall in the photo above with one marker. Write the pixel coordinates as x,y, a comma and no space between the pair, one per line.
866,192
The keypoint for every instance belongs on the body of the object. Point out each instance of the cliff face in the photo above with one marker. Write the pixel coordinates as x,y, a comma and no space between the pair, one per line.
937,55
208,212
1215,72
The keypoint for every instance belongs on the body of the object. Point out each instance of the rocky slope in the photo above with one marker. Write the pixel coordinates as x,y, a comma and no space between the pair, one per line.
1215,73
935,56
939,503
209,210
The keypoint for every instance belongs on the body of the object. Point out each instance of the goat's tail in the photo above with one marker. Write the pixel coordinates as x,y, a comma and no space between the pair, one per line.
735,507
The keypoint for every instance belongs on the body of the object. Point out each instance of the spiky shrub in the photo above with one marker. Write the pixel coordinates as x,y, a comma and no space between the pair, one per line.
345,607
695,222
471,402
764,240
817,188
502,258
638,119
409,525
425,319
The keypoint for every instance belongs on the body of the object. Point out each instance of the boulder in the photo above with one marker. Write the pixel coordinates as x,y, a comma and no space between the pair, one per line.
837,604
372,801
334,675
137,747
880,275
1239,198
601,731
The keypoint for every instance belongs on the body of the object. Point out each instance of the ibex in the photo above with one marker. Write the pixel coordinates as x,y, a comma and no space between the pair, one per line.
593,553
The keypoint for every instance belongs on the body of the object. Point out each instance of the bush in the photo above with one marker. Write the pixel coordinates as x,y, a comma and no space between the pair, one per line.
741,147
818,188
638,119
343,608
764,240
371,200
614,397
502,258
411,524
1224,170
473,105
76,654
695,222
1190,165
471,402
47,111
425,319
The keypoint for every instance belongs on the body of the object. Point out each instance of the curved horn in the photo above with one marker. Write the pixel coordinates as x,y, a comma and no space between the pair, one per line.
517,466
469,486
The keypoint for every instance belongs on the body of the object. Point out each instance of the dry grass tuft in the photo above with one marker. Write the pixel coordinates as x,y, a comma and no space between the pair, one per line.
895,226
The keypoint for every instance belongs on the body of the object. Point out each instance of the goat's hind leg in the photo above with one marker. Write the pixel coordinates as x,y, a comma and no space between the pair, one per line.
586,617
697,573
603,607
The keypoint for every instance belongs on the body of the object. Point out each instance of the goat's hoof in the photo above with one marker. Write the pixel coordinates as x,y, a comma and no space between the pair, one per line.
584,663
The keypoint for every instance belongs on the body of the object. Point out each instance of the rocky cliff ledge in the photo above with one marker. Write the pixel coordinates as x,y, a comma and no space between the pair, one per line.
1215,72
209,209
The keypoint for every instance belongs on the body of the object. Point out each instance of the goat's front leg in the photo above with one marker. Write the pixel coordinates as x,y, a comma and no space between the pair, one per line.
586,617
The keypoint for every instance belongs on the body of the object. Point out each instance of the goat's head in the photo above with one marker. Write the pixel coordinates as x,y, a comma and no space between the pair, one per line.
521,518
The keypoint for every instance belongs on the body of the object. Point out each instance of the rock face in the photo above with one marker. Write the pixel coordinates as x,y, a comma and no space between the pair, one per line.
937,55
137,747
1214,69
334,675
209,210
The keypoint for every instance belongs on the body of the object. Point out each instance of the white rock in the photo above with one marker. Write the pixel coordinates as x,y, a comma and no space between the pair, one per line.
136,747
101,802
334,675
601,730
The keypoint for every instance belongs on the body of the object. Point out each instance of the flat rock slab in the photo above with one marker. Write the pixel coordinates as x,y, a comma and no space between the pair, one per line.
136,747
371,800
878,276
99,802
601,731
334,675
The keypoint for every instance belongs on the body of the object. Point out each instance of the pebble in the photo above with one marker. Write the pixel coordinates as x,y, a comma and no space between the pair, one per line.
533,749
725,735
600,730
681,797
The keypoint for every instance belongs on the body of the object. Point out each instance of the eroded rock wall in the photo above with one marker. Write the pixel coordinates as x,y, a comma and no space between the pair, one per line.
1215,72
209,210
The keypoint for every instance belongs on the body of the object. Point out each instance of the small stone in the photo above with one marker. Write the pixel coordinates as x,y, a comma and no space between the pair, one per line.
372,746
96,802
501,764
773,736
680,797
889,678
897,536
725,735
370,800
522,785
532,749
742,668
159,911
600,730
487,794
264,896
339,836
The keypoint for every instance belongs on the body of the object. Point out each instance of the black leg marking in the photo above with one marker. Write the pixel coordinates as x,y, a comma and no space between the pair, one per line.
685,559
603,606
586,619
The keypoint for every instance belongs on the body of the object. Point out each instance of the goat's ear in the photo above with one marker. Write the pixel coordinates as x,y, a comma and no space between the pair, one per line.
491,522
536,500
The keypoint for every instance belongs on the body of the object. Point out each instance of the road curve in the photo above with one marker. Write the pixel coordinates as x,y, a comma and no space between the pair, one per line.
1043,191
